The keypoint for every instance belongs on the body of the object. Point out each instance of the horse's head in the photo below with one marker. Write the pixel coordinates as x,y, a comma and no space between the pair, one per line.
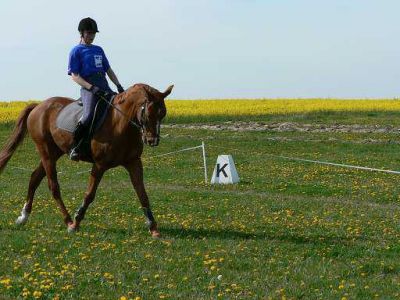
148,110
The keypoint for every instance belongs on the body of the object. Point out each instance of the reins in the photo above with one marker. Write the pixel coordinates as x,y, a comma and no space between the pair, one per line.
142,122
132,122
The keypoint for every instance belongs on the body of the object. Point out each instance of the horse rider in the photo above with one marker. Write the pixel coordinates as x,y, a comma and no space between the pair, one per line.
88,66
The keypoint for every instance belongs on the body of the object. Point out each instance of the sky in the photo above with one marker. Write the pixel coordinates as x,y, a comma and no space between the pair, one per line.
208,49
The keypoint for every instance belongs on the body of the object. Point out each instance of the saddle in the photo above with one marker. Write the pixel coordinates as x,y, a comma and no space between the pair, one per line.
69,116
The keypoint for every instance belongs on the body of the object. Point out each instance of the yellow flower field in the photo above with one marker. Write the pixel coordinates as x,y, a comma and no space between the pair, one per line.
9,111
253,107
275,106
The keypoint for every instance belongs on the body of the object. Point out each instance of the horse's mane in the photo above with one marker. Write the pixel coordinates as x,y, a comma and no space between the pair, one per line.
147,88
151,93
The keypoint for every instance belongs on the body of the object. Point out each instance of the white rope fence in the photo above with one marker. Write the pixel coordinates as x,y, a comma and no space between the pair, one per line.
178,151
336,164
202,146
320,162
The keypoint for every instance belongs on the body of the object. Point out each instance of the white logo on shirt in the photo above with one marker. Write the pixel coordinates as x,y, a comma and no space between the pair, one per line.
98,61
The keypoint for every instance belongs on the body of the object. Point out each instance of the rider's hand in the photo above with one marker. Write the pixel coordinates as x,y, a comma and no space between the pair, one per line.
120,88
98,92
94,89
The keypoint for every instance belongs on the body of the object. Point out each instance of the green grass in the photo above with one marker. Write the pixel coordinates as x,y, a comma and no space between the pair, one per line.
288,229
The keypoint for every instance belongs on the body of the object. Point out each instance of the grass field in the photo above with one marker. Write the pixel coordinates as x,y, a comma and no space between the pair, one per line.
288,230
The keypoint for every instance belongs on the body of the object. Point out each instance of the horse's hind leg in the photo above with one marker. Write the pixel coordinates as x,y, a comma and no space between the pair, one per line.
34,182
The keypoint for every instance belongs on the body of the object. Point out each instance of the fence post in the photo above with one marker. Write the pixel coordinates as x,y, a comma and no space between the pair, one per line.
204,160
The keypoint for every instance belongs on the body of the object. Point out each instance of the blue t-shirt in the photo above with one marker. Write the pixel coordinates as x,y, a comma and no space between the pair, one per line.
86,60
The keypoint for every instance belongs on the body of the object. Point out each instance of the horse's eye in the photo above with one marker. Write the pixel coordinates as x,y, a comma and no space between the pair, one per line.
162,112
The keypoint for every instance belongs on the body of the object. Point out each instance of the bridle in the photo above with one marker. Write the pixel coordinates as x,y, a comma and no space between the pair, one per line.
133,122
141,122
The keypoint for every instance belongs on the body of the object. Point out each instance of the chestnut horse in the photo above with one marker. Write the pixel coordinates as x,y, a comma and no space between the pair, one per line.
133,119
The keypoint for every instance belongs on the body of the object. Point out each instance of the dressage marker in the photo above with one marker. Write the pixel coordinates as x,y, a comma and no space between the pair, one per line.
225,171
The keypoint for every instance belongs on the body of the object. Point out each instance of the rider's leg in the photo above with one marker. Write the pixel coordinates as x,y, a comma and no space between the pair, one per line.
89,103
79,132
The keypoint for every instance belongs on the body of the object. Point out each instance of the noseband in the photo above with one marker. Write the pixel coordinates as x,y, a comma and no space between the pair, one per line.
143,120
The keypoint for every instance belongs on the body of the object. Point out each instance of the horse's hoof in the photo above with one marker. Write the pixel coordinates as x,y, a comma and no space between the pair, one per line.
155,234
21,220
72,229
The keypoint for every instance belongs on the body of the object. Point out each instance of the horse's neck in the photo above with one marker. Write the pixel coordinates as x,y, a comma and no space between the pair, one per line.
119,119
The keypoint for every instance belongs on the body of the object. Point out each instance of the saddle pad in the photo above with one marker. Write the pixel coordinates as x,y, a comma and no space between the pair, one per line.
70,115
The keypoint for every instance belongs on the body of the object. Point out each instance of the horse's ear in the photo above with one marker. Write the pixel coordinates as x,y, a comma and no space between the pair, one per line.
168,91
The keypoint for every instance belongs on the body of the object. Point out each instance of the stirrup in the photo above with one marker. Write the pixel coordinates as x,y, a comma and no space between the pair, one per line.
74,154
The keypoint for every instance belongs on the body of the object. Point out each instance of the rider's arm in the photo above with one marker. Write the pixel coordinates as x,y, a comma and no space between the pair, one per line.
82,82
112,76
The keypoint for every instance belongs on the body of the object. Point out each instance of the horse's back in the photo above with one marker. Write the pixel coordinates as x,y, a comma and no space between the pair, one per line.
42,120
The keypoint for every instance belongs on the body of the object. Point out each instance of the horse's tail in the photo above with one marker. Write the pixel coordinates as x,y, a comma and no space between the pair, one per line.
16,137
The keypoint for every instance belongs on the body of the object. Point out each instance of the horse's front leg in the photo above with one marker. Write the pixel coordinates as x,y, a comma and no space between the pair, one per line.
94,180
135,169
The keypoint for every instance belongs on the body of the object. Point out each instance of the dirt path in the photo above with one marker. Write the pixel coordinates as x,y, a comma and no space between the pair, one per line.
289,126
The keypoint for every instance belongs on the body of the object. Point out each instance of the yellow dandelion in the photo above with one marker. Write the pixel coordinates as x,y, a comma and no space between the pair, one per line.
5,281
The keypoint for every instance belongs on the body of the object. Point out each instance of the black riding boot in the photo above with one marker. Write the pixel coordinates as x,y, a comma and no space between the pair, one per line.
78,135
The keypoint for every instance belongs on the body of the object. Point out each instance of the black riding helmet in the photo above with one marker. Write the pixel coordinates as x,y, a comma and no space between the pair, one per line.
87,24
